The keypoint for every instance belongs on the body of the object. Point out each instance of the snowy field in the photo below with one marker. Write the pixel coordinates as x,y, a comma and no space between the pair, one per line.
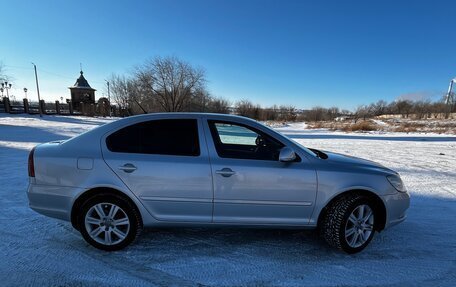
40,251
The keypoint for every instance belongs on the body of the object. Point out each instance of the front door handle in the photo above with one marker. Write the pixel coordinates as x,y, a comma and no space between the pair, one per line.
225,172
128,168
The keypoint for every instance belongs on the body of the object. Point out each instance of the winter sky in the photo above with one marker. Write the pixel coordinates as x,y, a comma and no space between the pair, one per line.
303,53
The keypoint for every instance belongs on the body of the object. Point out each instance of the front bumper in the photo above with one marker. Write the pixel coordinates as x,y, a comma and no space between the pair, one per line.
396,208
52,201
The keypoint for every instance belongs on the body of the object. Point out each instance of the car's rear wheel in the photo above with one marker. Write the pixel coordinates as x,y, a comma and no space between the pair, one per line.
109,222
348,223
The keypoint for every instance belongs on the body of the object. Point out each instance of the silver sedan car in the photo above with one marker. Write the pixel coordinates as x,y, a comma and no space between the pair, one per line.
192,169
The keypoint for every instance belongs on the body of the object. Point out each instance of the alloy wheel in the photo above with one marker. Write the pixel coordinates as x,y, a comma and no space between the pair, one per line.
359,226
107,223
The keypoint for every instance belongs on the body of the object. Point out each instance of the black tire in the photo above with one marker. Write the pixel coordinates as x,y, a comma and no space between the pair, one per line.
334,221
134,217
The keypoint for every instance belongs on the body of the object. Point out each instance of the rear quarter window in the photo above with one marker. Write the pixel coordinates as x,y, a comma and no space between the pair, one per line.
166,137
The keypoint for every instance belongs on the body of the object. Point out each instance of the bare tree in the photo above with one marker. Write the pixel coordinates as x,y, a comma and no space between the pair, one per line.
245,108
218,105
172,82
3,76
333,112
272,113
404,107
199,101
379,108
361,112
287,113
317,114
421,109
120,90
126,94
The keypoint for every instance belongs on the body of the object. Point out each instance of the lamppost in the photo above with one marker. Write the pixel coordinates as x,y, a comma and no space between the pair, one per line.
38,91
6,86
109,99
25,91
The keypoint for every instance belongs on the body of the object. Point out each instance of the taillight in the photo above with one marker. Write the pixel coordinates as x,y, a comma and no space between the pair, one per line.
31,164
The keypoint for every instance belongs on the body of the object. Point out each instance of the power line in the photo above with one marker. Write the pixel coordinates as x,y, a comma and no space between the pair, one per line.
65,77
18,67
41,70
54,74
46,72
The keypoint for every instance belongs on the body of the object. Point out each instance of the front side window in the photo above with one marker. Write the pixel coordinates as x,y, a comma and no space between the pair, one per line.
166,137
234,140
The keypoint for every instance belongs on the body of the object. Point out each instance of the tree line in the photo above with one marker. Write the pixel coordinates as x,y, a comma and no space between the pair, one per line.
169,84
172,85
421,109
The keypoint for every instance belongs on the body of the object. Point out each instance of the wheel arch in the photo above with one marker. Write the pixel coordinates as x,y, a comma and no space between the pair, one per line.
379,206
83,197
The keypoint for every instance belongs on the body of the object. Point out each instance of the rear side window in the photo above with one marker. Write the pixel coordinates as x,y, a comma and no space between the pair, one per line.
167,137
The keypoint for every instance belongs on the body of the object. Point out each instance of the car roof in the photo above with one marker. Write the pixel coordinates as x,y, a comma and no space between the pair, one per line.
188,114
169,115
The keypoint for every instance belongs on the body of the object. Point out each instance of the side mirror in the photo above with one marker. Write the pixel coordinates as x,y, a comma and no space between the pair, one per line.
287,155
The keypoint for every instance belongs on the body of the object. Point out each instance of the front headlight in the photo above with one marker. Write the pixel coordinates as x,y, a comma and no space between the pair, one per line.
397,183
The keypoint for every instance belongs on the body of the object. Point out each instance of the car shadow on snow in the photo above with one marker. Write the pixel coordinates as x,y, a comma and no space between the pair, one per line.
276,244
29,134
409,238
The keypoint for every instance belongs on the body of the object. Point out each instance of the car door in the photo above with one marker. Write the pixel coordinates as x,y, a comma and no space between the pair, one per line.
251,185
164,162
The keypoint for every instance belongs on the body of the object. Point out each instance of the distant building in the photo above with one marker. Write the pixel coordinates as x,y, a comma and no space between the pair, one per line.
81,92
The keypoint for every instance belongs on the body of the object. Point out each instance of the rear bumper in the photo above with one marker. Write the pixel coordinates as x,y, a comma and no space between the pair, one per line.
396,208
52,201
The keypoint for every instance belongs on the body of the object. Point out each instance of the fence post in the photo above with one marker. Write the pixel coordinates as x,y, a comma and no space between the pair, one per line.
70,107
57,107
91,110
42,106
26,106
6,103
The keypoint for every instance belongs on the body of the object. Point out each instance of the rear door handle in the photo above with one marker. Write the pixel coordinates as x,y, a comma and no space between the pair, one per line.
128,168
225,172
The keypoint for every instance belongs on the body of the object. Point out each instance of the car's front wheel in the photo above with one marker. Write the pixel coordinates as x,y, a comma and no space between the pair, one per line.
109,222
349,222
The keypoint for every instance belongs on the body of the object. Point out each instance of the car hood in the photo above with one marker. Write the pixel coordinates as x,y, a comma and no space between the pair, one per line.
355,162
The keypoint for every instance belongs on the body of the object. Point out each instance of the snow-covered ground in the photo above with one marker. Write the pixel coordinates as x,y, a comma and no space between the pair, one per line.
40,251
